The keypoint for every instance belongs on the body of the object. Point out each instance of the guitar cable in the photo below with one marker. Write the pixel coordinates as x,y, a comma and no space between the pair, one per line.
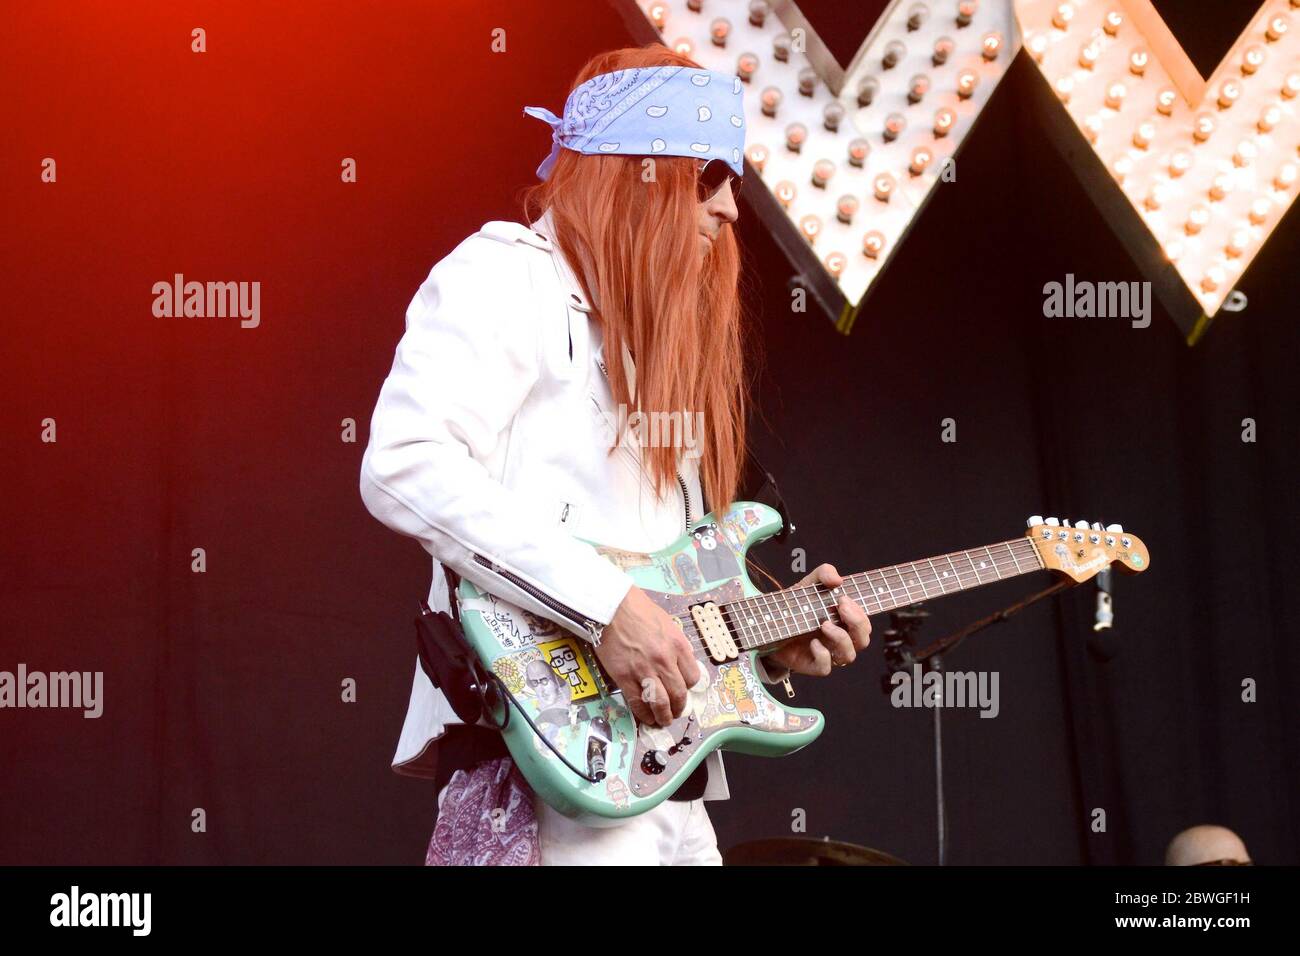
493,679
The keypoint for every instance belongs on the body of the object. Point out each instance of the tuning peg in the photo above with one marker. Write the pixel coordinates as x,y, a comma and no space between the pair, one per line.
1082,525
1034,520
1096,526
1115,528
1054,522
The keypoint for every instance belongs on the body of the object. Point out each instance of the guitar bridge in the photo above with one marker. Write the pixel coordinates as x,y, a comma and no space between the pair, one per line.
713,629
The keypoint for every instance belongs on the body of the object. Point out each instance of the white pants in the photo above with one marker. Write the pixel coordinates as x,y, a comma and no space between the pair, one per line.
675,833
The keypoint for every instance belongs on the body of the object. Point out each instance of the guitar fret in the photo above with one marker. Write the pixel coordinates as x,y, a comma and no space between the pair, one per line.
766,612
872,596
958,573
935,573
921,577
994,563
893,595
973,569
793,622
857,588
892,598
780,617
765,615
749,618
776,621
1012,552
804,608
875,589
917,582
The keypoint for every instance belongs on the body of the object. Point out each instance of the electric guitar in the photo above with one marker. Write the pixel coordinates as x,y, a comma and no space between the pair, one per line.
568,727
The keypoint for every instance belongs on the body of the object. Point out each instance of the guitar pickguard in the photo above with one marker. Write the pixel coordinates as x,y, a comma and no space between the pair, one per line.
728,694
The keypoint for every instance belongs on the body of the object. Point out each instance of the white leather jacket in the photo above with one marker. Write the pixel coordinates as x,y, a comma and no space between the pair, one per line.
489,445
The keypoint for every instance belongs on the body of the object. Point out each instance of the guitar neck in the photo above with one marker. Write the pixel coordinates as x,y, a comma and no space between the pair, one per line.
777,616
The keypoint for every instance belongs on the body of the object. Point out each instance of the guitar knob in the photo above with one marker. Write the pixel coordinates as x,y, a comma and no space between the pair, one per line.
1054,522
1034,520
1115,528
654,762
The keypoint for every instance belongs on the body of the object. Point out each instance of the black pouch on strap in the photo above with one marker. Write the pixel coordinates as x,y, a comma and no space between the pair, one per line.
447,660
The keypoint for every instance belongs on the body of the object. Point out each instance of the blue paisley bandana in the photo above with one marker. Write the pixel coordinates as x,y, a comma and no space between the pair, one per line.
652,111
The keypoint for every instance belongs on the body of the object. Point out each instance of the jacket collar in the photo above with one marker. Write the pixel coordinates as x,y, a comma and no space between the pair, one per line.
545,227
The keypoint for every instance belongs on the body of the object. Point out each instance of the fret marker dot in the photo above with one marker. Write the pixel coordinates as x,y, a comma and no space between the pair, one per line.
983,565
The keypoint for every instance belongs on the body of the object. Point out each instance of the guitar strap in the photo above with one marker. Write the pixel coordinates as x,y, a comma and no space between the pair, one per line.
776,501
453,582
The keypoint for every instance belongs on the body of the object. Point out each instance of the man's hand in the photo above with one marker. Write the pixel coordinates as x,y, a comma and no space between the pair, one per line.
650,659
816,652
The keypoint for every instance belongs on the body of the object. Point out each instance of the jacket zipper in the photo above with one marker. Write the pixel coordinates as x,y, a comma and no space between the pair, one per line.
593,628
686,495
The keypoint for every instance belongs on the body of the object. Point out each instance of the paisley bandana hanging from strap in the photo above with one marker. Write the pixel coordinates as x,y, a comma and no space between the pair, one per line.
486,819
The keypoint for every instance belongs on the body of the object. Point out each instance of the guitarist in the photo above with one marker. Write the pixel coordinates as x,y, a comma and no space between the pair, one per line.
493,441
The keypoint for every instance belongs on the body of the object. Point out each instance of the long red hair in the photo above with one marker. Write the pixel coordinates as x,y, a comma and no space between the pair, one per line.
679,316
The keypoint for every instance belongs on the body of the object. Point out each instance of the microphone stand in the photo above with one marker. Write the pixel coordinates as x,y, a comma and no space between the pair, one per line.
901,655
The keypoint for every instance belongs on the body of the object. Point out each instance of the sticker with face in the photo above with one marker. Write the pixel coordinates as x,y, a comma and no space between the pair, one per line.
713,554
504,621
617,791
735,694
569,664
551,693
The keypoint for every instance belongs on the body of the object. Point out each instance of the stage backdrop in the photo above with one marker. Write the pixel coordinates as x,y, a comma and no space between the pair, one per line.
224,690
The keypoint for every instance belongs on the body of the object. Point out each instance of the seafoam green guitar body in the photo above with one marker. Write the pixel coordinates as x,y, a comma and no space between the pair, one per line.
556,677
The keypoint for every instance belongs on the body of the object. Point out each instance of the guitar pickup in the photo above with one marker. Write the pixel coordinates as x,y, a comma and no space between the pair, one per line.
714,631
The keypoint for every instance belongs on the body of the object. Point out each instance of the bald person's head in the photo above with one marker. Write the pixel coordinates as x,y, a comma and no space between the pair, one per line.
1205,844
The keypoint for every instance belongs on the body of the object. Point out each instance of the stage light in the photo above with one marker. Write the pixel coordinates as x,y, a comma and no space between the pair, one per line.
901,111
1209,173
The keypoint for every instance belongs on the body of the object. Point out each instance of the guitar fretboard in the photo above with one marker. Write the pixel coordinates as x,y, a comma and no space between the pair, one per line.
779,615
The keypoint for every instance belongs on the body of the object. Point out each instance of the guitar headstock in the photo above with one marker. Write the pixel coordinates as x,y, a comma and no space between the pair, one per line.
1081,550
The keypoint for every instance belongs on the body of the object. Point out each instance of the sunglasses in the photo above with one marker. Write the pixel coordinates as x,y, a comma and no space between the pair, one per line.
713,177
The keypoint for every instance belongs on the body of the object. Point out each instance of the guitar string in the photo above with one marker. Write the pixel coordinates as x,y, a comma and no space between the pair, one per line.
769,630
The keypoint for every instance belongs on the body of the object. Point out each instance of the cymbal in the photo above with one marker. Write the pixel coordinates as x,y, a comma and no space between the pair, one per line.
806,851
